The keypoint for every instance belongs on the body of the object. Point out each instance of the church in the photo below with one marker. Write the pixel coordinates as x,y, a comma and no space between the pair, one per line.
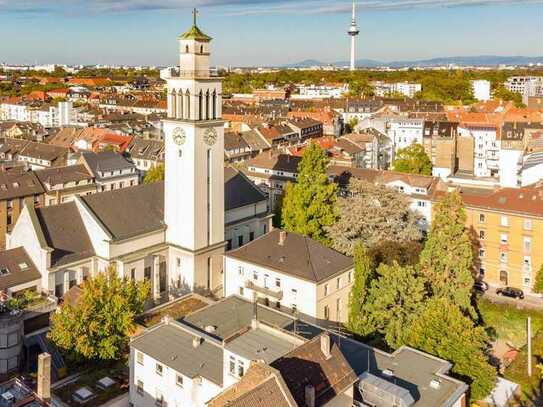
172,233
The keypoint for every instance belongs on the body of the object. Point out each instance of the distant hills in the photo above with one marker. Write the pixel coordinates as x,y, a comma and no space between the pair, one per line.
482,60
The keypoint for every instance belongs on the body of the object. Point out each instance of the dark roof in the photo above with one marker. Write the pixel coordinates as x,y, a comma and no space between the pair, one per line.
233,141
129,212
308,365
65,233
298,256
146,149
18,183
44,151
61,175
239,190
20,268
105,161
281,162
172,345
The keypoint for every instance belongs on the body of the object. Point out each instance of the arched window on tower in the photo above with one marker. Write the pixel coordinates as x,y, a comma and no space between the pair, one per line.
207,105
173,106
187,103
214,104
186,49
200,105
201,49
180,104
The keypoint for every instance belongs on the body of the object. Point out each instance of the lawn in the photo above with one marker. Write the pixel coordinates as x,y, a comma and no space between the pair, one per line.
517,371
509,323
176,310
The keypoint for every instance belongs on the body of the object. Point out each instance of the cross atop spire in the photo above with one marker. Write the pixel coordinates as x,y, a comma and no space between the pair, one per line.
195,13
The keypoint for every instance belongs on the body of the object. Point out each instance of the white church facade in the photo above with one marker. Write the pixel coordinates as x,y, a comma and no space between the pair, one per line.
173,233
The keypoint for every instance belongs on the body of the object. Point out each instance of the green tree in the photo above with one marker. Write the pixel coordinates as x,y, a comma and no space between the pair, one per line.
444,331
309,204
98,324
395,299
413,160
155,174
371,214
388,252
447,258
538,284
364,273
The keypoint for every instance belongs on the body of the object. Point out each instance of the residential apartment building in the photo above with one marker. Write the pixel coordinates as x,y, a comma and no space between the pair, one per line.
234,352
507,228
322,91
402,88
440,144
481,90
63,184
110,170
419,189
404,131
293,273
146,154
518,84
17,188
271,172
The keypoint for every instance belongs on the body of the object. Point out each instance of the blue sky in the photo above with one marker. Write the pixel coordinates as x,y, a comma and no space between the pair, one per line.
265,32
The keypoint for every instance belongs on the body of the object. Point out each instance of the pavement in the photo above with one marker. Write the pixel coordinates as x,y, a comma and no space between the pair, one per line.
530,301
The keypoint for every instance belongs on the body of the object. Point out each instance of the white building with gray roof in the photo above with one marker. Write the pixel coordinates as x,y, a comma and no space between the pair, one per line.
199,359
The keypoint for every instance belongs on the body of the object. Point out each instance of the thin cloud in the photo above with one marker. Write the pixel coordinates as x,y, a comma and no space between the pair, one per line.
239,7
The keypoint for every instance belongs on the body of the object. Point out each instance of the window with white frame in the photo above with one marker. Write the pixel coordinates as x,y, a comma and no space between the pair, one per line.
139,357
503,257
179,380
527,244
527,263
503,238
527,224
255,275
482,218
139,387
159,369
504,221
241,271
326,290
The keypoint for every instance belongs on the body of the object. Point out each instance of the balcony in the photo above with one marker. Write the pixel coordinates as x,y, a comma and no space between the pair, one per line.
276,293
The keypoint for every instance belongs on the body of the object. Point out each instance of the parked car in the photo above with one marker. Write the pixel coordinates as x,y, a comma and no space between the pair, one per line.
480,286
510,292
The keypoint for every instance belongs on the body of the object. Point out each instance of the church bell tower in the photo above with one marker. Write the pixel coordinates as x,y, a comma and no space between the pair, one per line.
194,166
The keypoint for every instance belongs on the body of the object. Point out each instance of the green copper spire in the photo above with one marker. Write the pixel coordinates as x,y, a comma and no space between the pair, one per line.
195,33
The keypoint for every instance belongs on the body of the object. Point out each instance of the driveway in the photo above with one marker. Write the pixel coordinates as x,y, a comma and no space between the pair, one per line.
530,301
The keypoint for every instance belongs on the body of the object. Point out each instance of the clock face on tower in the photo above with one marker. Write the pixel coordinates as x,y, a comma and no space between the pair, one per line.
179,136
210,136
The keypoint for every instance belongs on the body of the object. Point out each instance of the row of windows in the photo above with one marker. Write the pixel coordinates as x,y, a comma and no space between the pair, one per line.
504,221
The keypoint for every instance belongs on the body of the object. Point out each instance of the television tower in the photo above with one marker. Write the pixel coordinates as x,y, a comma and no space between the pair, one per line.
353,32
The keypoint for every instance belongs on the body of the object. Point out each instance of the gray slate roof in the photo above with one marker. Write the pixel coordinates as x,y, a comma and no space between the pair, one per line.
65,233
129,212
173,346
239,190
105,161
298,256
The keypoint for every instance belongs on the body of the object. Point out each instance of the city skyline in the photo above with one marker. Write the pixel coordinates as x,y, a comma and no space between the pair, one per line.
266,33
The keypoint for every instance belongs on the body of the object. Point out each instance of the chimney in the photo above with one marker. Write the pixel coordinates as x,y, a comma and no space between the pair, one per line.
44,376
254,323
196,341
326,345
282,237
310,395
